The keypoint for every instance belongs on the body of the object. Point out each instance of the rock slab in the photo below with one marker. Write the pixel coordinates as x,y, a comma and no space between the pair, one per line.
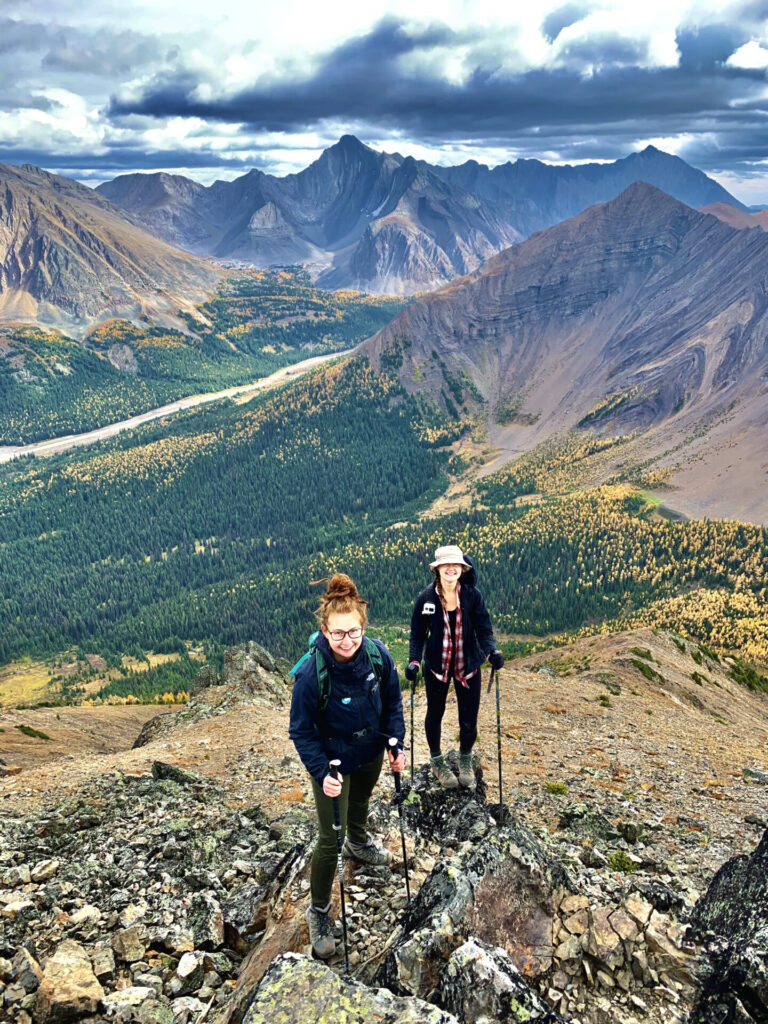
69,988
297,989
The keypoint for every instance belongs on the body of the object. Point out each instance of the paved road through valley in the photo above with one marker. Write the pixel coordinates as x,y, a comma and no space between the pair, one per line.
62,444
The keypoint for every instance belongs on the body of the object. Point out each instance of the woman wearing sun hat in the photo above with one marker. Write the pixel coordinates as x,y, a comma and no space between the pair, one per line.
451,629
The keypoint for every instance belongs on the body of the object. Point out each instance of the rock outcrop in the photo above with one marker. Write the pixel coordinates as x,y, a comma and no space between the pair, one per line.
249,675
732,918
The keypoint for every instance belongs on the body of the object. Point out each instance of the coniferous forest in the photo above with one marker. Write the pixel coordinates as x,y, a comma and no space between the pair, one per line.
207,529
260,322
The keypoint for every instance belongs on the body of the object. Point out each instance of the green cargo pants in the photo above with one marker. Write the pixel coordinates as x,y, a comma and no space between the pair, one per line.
355,796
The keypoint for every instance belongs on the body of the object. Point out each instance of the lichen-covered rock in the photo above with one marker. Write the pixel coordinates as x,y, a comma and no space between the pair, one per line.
296,989
504,891
733,916
480,984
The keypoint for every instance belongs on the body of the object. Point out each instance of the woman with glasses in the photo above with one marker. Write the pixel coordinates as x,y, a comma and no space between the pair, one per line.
344,706
451,629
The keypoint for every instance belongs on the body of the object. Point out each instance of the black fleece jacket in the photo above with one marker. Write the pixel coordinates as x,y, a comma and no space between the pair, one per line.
427,627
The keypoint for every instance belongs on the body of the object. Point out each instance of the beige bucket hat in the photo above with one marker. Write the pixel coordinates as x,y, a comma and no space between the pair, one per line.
451,554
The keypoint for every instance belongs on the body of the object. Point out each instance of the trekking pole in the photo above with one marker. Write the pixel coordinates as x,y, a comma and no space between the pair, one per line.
393,746
413,735
334,771
495,675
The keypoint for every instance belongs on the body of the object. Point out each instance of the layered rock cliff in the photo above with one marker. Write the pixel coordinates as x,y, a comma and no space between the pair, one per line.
640,314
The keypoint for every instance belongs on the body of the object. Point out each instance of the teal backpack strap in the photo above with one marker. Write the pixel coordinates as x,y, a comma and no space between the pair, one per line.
375,657
323,680
323,675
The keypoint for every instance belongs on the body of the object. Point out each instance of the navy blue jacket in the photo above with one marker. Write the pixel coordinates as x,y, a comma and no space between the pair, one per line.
427,627
360,717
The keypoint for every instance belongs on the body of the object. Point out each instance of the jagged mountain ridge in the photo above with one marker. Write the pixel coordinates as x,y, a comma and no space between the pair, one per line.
69,257
640,314
385,223
361,218
538,195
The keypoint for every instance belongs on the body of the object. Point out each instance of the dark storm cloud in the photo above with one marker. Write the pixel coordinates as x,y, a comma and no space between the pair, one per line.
709,45
363,83
125,159
563,17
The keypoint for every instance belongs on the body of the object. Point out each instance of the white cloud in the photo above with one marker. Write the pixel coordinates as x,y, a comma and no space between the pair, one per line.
750,55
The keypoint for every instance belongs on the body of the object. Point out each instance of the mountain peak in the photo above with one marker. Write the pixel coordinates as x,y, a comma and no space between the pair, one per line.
350,143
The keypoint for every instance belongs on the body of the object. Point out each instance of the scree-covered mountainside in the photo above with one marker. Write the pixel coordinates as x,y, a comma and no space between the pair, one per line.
69,257
639,316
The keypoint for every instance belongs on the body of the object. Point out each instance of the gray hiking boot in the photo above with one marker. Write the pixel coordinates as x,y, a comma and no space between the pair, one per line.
443,772
466,771
367,852
321,932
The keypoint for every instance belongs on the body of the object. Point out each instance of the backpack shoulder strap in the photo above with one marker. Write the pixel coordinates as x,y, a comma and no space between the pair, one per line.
323,675
375,657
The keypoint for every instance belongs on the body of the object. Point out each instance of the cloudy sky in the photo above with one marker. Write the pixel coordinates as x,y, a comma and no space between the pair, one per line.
97,88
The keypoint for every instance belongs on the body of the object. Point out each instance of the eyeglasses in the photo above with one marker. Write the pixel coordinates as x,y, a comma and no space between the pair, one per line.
337,635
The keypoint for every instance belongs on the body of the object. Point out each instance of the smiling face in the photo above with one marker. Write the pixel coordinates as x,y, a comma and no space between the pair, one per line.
450,574
341,622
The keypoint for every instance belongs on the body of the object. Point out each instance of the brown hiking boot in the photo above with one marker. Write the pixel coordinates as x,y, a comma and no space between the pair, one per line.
443,773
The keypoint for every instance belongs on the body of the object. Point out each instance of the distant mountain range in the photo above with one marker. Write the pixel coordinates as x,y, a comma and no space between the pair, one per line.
737,217
641,314
385,223
68,257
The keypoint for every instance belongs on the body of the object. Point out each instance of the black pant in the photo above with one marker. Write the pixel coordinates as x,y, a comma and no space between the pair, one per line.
469,704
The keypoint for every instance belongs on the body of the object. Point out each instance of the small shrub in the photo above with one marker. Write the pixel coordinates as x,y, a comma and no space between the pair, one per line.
699,678
712,655
613,689
619,861
641,652
679,644
604,700
556,787
34,733
647,671
696,655
648,711
746,675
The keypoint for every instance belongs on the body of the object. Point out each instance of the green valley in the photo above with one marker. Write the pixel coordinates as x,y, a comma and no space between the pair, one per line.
260,322
207,529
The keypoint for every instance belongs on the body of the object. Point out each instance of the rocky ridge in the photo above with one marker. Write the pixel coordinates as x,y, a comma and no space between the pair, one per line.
383,222
171,891
68,257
